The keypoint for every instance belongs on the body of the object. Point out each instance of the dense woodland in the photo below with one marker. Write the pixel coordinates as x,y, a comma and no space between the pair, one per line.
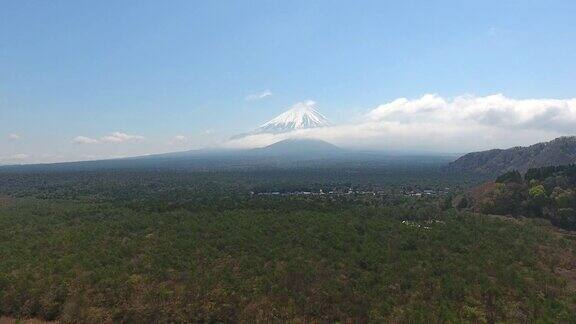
174,246
547,192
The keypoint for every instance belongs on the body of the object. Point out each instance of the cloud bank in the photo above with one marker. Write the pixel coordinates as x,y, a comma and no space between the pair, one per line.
434,123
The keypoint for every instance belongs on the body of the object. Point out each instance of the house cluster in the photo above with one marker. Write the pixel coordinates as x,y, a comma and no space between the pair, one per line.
425,192
426,224
338,192
351,191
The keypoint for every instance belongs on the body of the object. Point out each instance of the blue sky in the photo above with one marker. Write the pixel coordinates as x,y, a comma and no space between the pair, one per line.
160,69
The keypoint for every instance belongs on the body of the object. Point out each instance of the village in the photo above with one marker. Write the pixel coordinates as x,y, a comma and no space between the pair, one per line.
407,192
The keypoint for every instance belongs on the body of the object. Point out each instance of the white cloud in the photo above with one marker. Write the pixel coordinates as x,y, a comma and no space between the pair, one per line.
16,158
434,123
258,96
85,140
493,111
14,137
178,139
20,156
118,137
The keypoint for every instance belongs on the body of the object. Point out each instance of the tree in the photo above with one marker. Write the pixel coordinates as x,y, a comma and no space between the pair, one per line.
538,194
510,177
565,218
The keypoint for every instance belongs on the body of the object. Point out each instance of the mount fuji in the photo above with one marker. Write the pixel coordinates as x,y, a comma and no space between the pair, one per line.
301,116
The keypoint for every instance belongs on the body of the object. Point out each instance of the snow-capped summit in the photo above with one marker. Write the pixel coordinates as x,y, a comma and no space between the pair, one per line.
300,116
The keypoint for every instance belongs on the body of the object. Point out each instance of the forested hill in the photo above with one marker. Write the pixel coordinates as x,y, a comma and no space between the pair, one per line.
547,192
560,151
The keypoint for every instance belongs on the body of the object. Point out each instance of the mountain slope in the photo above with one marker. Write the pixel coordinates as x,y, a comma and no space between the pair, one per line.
299,148
560,151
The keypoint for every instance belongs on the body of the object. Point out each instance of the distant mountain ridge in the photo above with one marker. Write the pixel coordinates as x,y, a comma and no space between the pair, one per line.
289,153
560,151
